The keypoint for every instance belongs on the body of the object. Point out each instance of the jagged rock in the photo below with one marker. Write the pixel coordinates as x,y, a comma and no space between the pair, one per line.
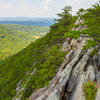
78,22
33,72
65,44
98,83
98,94
99,58
95,58
18,86
78,93
39,93
56,90
75,71
79,68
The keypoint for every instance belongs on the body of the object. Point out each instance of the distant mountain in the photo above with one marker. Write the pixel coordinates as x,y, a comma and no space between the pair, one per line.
27,21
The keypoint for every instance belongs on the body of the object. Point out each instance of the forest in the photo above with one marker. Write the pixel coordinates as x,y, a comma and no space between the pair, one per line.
44,55
13,38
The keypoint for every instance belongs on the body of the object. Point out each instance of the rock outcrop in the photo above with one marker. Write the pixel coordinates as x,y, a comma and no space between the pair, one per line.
78,68
73,73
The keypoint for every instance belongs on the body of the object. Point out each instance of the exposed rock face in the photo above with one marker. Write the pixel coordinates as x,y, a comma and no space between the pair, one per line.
84,77
98,92
98,59
73,73
77,68
18,86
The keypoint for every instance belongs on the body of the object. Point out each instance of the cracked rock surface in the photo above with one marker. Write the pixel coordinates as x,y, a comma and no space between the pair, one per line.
78,68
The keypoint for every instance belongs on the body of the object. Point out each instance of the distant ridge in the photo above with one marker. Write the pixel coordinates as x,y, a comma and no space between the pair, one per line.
34,21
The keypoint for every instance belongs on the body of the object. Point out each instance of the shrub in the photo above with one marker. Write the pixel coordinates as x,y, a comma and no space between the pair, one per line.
89,44
90,90
72,34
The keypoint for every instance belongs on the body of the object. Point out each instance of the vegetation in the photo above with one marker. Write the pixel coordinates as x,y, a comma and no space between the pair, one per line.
94,52
90,43
44,72
13,38
91,19
72,34
90,90
44,56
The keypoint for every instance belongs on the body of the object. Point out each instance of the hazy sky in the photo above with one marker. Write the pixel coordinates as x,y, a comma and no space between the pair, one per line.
39,8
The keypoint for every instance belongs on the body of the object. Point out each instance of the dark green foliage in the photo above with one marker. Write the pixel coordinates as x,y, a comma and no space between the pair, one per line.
80,12
53,57
90,90
45,56
85,31
90,44
44,52
76,34
72,34
94,52
91,19
65,21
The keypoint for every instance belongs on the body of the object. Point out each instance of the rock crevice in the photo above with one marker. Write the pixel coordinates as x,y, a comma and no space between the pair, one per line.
78,68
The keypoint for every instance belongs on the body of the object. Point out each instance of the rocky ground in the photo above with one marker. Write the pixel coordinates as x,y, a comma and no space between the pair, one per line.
78,68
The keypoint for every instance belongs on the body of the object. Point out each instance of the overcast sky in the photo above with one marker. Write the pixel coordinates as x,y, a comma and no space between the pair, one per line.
39,8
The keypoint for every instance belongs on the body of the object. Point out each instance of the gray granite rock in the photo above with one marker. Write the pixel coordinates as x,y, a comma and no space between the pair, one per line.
75,71
79,68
